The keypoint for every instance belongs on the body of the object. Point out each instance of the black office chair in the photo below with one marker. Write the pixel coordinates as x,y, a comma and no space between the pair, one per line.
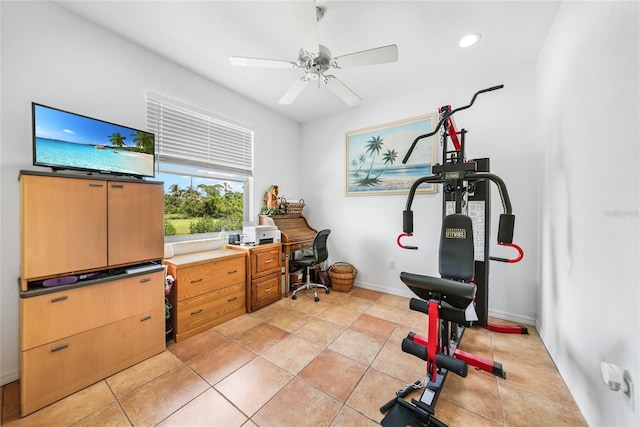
320,255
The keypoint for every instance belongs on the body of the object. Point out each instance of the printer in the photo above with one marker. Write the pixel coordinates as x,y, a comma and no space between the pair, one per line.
260,234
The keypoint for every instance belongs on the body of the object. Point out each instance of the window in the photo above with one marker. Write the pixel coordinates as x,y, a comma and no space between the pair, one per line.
206,164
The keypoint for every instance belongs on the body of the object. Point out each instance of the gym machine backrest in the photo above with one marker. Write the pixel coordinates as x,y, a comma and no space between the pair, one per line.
456,266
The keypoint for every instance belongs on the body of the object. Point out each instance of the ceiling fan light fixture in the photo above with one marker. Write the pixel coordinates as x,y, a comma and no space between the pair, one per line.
470,39
315,59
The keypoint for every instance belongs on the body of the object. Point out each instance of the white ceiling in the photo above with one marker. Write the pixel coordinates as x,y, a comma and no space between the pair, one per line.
201,35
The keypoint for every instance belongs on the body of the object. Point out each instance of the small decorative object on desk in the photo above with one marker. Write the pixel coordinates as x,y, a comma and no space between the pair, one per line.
342,276
271,202
270,198
224,240
293,208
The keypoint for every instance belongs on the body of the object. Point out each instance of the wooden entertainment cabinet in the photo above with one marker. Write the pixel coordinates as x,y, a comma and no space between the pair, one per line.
76,334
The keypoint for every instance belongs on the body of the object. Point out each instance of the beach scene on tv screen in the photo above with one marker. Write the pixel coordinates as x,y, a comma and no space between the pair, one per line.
66,140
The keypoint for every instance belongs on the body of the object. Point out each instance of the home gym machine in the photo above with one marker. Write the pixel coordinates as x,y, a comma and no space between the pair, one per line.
459,297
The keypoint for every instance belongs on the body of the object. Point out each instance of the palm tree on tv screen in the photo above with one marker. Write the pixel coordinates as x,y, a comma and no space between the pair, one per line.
144,141
117,140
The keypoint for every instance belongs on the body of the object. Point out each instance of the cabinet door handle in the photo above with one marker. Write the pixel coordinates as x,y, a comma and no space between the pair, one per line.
232,299
197,280
58,299
145,318
93,184
145,280
59,347
232,272
196,312
268,261
268,289
117,186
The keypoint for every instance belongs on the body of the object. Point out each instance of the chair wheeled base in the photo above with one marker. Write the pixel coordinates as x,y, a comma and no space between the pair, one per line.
312,286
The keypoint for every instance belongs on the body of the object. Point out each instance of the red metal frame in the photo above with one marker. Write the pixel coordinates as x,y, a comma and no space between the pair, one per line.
434,346
507,329
452,131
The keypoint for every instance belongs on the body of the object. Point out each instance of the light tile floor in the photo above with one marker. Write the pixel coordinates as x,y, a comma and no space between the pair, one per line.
306,363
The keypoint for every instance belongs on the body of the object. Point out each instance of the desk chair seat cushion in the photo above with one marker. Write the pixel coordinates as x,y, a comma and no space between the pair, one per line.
307,261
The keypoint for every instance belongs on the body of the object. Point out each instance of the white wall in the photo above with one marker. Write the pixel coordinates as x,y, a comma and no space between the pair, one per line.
588,132
364,228
55,58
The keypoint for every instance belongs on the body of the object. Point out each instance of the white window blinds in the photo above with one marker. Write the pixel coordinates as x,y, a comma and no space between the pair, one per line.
194,138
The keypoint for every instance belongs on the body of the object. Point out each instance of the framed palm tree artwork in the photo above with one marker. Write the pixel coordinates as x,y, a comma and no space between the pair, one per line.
375,154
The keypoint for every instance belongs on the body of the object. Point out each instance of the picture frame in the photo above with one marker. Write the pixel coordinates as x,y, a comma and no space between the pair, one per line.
374,157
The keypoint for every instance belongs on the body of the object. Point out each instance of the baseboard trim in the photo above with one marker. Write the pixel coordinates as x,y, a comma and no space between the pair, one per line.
9,377
390,291
511,317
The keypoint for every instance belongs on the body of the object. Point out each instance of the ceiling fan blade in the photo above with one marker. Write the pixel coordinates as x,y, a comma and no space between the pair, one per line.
379,55
241,61
340,89
295,90
306,19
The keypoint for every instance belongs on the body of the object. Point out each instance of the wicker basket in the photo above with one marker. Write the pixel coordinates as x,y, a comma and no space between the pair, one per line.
293,208
342,276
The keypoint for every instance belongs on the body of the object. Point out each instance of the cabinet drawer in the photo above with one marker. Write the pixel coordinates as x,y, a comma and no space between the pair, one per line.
49,317
55,370
265,262
212,276
266,289
203,311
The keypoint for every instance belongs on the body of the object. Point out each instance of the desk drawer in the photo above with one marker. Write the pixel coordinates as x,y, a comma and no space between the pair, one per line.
212,276
264,262
266,290
49,317
202,312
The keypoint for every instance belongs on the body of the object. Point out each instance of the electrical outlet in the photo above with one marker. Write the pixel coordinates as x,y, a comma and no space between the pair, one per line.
628,389
392,264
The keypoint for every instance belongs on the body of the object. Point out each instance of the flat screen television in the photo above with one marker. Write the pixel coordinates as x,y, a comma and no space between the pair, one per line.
64,140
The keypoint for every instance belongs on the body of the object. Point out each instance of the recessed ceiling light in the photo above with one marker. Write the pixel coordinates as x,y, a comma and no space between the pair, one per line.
470,40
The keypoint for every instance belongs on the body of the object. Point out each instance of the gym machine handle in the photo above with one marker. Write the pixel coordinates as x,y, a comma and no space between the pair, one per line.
505,238
404,246
407,214
507,219
444,118
504,195
510,260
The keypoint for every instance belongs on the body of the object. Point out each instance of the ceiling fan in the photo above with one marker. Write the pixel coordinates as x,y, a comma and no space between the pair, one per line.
316,60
